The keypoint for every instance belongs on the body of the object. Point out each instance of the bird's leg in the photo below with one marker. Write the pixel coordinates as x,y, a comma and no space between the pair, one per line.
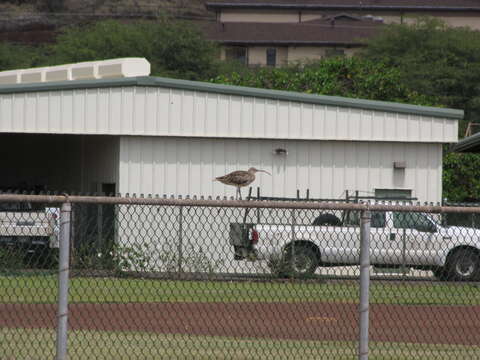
240,193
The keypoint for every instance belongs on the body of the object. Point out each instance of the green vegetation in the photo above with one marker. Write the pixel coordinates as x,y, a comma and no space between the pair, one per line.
17,56
446,66
461,177
43,289
172,48
349,77
128,345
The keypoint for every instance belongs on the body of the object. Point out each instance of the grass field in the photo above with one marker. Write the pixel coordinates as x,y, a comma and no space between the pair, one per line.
30,344
119,346
43,289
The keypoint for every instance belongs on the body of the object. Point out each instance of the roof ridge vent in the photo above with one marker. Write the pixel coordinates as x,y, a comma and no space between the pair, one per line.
103,69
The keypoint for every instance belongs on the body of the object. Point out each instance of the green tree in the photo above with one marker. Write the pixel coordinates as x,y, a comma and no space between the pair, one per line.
461,180
16,56
350,77
174,49
435,60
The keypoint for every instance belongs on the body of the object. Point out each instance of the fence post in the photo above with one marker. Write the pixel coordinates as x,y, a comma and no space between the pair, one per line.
63,270
364,282
180,240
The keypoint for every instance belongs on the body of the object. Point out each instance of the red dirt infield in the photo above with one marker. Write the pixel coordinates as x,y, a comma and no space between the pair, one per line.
299,321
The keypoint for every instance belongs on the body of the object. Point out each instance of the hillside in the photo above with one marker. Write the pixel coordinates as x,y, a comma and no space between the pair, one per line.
36,21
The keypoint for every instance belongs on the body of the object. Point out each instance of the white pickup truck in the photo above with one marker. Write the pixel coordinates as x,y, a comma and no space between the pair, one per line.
30,228
412,240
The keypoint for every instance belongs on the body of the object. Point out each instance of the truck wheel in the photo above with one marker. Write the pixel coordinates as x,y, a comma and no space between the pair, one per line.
327,219
300,261
463,265
439,273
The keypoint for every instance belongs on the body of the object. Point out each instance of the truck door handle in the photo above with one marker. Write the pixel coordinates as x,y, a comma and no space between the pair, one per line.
392,236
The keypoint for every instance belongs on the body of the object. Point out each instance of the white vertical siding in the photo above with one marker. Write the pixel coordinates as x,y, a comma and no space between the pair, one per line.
157,111
187,166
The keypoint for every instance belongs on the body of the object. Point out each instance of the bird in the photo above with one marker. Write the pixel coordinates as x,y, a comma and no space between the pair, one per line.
240,178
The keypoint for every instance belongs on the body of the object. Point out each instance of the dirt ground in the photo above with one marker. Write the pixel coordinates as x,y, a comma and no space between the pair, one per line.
299,321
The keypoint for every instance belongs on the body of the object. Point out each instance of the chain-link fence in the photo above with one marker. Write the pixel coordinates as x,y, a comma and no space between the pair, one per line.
192,279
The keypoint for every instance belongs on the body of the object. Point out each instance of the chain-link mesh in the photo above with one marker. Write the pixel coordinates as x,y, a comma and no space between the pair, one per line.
200,282
28,280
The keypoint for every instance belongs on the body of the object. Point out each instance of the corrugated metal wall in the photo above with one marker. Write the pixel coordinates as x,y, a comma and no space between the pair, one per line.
155,111
182,166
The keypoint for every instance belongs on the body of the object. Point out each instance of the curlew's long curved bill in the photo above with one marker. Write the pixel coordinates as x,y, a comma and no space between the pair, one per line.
265,171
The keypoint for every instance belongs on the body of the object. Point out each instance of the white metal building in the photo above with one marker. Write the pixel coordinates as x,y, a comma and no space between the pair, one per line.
107,126
154,135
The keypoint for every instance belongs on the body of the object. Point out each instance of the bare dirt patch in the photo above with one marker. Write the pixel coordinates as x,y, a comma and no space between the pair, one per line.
298,321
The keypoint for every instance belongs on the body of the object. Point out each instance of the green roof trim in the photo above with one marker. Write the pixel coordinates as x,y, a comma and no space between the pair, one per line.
151,81
468,144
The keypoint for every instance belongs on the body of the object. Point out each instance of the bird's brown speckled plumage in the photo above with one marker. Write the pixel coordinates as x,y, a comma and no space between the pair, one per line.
240,178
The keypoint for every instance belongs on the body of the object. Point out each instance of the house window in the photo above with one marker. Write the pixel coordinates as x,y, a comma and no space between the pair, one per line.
334,52
236,53
271,57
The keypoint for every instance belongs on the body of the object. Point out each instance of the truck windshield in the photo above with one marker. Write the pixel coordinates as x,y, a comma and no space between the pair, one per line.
378,219
411,220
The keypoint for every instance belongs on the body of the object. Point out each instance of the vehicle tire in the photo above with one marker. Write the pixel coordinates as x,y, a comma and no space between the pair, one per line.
439,273
299,261
327,219
463,265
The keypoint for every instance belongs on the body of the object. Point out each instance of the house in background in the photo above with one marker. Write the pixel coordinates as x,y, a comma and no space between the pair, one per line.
277,32
277,44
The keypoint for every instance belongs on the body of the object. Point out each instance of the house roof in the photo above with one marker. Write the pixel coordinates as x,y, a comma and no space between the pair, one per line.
343,32
150,81
468,144
416,5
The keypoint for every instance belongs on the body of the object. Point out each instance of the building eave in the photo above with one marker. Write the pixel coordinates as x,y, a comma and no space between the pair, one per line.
219,6
289,43
468,144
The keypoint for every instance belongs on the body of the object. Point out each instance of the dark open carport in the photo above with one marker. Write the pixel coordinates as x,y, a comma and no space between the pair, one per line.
52,163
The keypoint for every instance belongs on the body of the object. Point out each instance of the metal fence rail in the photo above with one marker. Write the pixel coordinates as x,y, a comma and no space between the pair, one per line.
185,278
